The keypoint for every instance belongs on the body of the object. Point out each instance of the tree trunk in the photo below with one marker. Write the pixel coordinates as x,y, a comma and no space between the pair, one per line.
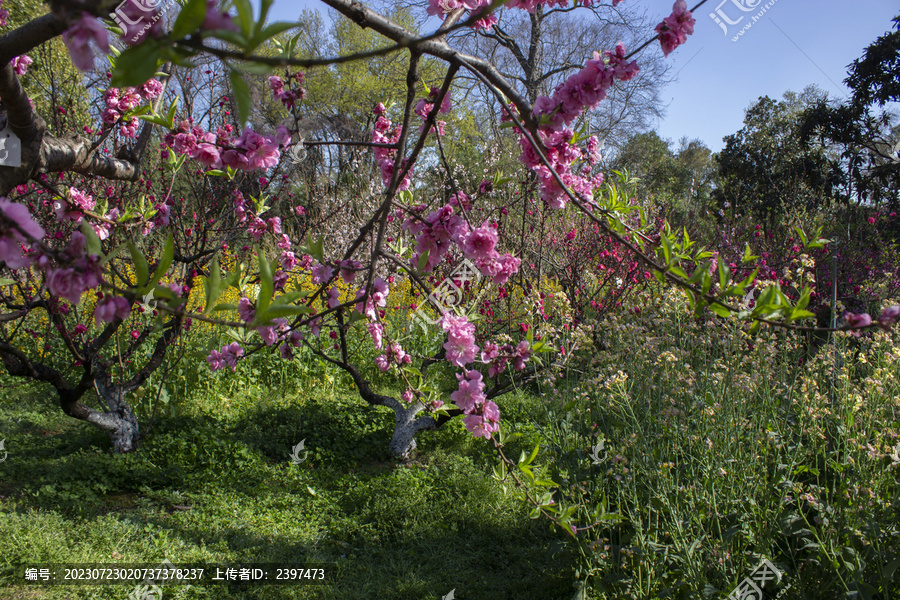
406,426
117,418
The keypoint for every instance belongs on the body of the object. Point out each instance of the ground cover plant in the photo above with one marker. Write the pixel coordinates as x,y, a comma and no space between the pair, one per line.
224,490
270,301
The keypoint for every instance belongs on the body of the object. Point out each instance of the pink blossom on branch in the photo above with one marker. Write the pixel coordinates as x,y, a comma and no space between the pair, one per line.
675,28
376,330
231,354
479,243
20,64
434,234
482,416
246,310
857,322
583,90
151,89
70,283
215,360
334,297
470,392
889,316
16,227
111,308
383,133
78,38
217,20
460,345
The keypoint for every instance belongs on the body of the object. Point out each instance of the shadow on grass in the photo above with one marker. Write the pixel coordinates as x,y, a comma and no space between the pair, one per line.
389,531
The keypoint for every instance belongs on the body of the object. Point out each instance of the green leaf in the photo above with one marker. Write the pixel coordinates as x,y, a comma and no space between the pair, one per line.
179,55
269,32
266,284
667,249
155,119
170,114
678,272
764,301
137,64
244,16
165,261
213,284
291,297
189,20
223,306
724,274
803,302
6,281
92,242
254,68
241,92
238,39
141,110
264,7
423,261
141,268
799,313
748,255
706,278
890,568
720,310
531,457
280,311
316,249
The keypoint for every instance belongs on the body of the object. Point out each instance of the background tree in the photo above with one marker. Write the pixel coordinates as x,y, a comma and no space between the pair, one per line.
862,129
538,50
765,168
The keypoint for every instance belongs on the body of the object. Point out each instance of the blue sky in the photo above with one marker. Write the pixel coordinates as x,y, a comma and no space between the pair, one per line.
793,44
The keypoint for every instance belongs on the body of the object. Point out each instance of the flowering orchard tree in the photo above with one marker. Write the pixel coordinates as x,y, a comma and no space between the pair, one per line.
81,260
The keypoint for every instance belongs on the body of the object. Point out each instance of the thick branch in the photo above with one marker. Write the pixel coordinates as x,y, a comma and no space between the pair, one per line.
73,153
46,153
29,36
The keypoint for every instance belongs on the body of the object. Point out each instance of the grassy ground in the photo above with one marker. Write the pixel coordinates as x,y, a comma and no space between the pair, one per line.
213,491
688,451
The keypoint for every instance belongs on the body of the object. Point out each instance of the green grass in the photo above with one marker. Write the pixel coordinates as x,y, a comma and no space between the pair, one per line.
719,450
388,531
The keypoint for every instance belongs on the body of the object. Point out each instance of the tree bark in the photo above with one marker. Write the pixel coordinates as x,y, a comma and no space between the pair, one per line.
43,152
119,420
